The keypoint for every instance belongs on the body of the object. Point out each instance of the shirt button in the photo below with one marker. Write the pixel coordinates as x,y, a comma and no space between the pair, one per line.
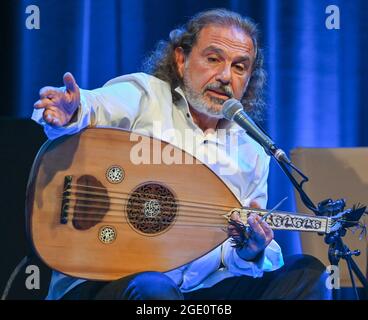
205,141
188,115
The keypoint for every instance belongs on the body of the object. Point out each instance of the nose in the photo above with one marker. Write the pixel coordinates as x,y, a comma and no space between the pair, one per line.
224,74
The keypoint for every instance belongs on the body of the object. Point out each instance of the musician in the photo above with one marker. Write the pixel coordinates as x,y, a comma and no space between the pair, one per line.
214,57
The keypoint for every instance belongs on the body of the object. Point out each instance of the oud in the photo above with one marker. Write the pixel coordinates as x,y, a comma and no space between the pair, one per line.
92,213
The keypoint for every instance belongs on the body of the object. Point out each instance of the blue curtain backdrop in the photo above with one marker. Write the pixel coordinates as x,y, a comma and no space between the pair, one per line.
317,87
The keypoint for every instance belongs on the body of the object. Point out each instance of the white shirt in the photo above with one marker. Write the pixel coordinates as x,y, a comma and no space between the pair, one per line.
143,104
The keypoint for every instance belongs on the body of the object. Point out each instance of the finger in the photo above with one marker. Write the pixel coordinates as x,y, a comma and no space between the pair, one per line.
43,103
51,118
235,216
254,204
49,92
258,232
232,231
264,225
69,82
267,230
49,115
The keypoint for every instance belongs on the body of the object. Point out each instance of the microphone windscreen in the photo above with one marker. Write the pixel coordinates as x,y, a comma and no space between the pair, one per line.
230,108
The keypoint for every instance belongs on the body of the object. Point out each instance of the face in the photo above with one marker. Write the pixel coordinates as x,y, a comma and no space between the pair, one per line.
218,68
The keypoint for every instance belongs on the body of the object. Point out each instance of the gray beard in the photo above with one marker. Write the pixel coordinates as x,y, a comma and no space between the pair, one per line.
198,102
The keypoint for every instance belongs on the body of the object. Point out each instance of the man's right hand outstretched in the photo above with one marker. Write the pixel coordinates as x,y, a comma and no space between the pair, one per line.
59,104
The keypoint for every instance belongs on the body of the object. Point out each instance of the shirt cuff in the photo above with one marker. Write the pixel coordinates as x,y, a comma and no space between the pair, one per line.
270,260
82,121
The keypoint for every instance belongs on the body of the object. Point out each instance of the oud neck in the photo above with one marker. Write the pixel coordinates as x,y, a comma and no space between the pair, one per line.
280,220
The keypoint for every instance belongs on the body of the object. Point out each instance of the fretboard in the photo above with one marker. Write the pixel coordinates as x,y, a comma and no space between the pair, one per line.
287,221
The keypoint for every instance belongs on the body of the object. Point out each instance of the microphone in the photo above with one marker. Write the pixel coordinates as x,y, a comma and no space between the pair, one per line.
233,111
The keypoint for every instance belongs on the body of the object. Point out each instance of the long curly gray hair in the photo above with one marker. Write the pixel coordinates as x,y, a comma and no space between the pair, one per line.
161,62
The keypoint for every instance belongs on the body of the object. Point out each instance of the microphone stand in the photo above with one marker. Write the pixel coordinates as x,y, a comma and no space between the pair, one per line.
233,111
337,248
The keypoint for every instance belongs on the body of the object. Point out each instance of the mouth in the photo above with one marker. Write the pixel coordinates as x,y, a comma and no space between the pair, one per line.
218,93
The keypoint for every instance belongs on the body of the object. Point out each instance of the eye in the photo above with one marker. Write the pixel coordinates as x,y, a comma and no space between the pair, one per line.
240,68
212,59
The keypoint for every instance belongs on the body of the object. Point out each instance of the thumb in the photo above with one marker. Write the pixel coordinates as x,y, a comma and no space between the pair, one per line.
254,205
69,82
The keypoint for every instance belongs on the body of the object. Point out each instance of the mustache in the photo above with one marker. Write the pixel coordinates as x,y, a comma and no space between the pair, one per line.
223,89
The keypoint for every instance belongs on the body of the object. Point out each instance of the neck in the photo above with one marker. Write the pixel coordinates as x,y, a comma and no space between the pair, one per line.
204,122
287,221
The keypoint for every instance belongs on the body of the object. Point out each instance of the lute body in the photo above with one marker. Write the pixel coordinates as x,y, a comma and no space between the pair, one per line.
93,213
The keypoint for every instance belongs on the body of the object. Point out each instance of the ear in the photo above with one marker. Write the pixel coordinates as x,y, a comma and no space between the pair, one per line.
180,60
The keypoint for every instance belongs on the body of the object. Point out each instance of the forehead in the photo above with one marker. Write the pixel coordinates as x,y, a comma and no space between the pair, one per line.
229,38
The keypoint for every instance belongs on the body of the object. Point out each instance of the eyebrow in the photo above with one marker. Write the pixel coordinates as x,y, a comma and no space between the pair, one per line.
219,51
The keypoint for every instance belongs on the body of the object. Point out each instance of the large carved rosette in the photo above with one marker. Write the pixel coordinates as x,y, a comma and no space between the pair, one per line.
151,208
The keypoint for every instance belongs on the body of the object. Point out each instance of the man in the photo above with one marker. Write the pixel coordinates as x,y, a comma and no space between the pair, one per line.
213,58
